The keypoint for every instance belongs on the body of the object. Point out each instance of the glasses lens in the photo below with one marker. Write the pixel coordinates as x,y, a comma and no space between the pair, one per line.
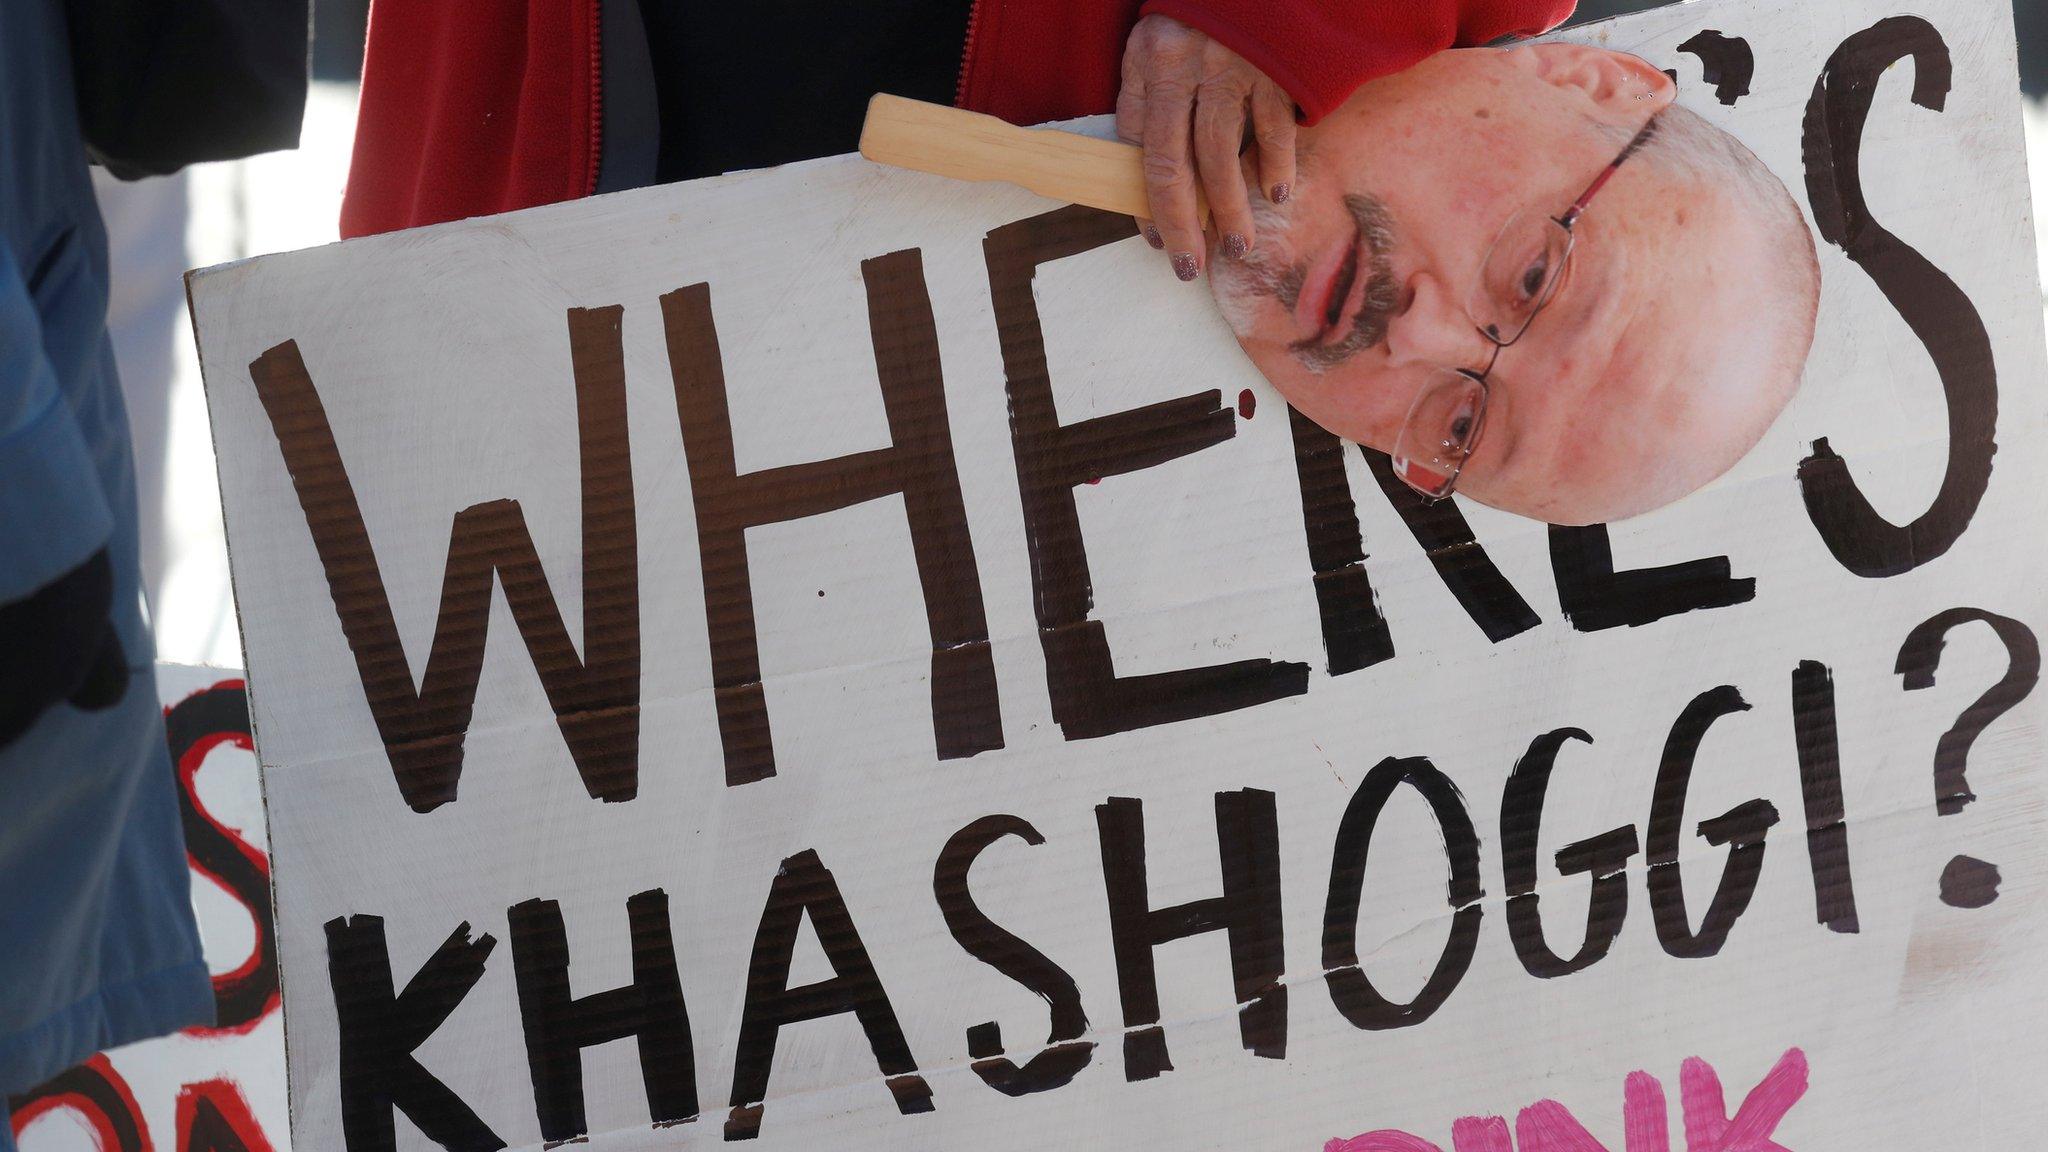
1521,272
1440,433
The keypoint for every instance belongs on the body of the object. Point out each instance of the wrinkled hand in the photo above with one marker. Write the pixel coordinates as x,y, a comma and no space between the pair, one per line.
1187,100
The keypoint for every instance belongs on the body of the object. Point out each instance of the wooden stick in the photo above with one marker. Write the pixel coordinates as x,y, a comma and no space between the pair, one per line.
1107,174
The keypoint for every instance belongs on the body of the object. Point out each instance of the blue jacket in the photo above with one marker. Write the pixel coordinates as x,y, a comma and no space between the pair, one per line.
97,941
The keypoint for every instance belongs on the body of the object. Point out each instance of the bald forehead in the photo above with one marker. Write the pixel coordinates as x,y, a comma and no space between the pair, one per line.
1611,434
1677,406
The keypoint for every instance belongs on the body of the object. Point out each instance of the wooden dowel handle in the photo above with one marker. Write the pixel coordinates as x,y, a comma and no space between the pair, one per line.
1107,174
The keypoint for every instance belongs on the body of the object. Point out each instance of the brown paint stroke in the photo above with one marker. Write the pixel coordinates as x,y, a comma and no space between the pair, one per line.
1457,555
1726,62
1088,698
1355,632
596,699
1968,882
919,465
1937,310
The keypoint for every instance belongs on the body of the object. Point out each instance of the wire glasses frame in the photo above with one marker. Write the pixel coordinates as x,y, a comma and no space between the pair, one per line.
1521,272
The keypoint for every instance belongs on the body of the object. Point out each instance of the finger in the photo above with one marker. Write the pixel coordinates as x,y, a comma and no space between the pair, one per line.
1130,105
1170,174
1219,130
1130,126
1273,128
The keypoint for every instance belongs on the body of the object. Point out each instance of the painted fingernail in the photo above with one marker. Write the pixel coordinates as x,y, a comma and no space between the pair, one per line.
1153,238
1184,265
1234,246
1280,193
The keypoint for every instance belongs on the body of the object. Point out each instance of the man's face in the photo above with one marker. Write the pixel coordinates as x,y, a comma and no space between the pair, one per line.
1362,289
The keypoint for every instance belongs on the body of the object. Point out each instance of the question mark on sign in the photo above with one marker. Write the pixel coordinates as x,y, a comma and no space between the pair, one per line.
1968,882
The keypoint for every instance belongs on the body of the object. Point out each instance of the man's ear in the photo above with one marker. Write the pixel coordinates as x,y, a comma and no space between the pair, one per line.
1628,87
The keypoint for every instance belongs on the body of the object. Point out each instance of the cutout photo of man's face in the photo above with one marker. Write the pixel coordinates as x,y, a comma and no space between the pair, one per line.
1530,279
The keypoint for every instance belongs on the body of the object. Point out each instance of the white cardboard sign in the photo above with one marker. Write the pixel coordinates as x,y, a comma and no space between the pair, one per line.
837,656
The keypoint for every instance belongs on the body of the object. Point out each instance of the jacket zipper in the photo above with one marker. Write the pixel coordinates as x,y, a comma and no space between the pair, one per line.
596,149
967,54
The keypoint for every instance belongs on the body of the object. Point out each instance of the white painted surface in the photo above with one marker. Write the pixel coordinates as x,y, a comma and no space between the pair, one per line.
442,361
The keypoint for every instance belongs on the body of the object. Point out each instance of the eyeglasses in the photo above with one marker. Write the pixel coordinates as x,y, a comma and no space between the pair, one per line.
1520,274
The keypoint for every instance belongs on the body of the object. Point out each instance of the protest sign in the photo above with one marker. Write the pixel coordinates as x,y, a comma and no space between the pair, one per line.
206,1089
835,654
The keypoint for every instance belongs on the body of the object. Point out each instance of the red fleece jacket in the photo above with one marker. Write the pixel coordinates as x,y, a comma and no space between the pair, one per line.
491,105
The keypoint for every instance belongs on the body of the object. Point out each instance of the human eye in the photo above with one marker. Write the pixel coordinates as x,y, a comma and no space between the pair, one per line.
1440,433
1528,287
1519,275
1461,423
1522,273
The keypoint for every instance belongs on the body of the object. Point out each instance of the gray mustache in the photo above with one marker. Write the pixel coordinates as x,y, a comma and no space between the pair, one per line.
1382,293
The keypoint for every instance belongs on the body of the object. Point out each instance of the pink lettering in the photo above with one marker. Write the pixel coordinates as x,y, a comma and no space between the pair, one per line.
1481,1134
1547,1126
1645,1123
1707,1127
1384,1140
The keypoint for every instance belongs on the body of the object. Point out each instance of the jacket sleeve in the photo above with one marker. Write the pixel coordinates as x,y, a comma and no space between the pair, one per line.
472,108
53,514
166,83
1322,50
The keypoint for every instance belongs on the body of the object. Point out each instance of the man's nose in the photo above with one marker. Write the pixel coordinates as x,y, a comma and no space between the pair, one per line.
1433,330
